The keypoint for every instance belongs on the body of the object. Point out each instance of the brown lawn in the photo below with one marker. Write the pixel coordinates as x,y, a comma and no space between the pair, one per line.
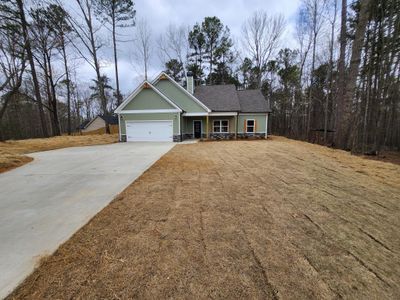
12,153
246,219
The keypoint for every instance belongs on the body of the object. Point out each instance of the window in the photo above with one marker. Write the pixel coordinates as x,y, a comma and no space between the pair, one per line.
250,124
220,126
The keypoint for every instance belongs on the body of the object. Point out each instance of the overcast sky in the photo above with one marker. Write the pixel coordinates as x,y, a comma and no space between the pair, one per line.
160,13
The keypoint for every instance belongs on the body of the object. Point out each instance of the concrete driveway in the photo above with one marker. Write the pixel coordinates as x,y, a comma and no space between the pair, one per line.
43,203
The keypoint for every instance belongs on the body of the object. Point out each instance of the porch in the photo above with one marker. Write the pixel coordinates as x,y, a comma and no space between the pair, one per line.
223,126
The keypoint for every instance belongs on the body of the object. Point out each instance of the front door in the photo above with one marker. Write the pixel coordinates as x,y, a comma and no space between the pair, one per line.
197,129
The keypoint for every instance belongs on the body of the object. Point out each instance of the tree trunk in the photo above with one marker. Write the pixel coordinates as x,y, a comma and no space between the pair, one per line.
341,77
33,69
49,94
64,54
310,96
54,105
100,83
330,93
354,70
119,96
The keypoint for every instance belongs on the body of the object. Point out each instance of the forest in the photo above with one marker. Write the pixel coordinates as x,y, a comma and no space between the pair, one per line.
338,84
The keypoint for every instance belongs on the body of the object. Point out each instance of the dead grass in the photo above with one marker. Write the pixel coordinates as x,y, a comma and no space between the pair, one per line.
12,153
246,219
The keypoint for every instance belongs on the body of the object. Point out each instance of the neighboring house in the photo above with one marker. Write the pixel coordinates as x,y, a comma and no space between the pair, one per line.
165,111
99,122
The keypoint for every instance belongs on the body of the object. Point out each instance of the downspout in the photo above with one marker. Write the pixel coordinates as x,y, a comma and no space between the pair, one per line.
180,126
237,125
207,130
119,128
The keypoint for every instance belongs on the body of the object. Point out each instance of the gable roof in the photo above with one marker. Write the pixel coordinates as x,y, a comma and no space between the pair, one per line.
144,84
110,119
163,75
218,97
253,101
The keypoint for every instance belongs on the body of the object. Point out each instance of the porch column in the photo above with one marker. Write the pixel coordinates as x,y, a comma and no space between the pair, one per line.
236,126
207,131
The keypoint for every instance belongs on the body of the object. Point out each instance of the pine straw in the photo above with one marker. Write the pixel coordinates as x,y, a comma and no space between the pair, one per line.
12,153
238,220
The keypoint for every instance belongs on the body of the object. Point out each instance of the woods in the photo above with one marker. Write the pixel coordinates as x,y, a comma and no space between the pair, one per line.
335,83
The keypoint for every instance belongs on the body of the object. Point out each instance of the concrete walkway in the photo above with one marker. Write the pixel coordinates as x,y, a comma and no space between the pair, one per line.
44,202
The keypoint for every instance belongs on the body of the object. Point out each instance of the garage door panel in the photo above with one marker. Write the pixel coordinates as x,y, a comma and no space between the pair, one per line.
142,131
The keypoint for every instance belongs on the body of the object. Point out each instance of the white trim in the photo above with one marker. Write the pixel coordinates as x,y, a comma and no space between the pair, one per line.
119,128
195,114
183,89
223,114
254,125
149,111
251,132
201,127
141,121
266,125
220,120
119,109
250,114
179,126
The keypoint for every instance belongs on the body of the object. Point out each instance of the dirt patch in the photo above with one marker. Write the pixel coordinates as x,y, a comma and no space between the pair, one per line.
12,152
274,219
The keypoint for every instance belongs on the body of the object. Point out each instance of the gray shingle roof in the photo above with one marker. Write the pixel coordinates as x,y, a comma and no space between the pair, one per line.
227,98
253,101
110,119
218,97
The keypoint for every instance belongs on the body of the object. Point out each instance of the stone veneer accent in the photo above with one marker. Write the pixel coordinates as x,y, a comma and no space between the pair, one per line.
251,136
213,136
177,138
222,136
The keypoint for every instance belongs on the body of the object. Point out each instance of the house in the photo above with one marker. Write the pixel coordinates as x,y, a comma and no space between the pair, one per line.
99,122
163,110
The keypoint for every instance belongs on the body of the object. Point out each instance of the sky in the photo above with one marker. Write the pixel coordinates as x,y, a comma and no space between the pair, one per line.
160,13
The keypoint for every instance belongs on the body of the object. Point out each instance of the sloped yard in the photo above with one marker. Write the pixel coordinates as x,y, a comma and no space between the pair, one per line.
246,219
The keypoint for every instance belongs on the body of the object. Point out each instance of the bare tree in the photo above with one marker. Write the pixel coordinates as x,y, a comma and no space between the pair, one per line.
341,76
12,67
142,51
315,10
331,49
351,81
88,35
261,37
173,44
117,13
27,42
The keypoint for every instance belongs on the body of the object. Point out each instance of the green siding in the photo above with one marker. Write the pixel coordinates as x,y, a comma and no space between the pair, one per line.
148,99
232,125
187,124
178,96
260,122
158,116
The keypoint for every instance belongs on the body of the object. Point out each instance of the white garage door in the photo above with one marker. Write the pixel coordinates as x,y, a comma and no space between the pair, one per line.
149,131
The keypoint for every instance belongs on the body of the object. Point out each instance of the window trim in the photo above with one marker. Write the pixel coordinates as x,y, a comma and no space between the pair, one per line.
220,125
254,126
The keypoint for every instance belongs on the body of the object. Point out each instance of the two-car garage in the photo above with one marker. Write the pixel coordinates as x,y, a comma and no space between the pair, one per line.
149,131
